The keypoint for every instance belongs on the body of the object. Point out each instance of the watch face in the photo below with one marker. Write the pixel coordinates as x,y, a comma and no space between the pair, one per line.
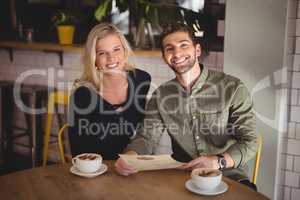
222,162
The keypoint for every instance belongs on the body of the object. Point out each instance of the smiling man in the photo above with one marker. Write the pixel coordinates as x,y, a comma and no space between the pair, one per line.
207,114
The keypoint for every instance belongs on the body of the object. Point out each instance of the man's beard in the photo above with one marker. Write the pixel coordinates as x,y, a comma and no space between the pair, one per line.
185,68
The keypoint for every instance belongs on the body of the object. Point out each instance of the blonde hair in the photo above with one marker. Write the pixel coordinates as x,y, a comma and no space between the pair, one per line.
90,73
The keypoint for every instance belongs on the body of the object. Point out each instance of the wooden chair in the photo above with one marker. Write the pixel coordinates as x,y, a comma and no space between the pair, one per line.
60,143
55,98
257,160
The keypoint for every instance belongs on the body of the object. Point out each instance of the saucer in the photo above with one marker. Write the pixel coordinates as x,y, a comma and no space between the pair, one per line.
100,171
221,188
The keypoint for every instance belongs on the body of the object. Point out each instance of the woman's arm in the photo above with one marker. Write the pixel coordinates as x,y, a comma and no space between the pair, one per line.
82,107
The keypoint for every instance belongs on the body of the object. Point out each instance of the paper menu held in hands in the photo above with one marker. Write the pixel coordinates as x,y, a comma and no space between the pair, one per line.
150,162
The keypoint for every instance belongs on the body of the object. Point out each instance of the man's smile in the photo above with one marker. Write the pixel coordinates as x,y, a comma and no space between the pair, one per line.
178,61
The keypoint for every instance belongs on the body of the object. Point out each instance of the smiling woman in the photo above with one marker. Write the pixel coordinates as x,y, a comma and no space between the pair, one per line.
108,101
110,53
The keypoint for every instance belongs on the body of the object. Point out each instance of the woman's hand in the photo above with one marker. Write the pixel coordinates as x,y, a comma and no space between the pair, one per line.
124,168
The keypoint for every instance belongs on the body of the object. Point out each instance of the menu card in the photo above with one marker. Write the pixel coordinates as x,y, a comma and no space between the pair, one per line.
150,162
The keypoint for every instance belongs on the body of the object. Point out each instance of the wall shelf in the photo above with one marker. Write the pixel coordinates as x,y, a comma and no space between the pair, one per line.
59,49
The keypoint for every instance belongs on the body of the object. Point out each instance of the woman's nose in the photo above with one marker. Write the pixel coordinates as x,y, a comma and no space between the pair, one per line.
111,55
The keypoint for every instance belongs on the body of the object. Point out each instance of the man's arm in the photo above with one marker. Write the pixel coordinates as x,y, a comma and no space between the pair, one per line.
149,131
242,121
208,162
147,137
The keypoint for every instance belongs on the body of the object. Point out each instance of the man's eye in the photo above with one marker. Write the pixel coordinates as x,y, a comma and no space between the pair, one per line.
168,49
184,45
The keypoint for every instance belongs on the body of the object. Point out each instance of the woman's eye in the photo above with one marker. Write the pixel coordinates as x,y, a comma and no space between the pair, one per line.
117,49
100,53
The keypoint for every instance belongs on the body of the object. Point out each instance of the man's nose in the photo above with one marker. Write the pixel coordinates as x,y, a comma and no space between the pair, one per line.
177,52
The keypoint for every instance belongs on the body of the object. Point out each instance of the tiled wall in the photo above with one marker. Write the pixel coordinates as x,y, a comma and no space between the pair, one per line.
63,77
291,141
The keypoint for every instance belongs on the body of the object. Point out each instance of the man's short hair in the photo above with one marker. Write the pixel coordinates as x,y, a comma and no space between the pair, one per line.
177,27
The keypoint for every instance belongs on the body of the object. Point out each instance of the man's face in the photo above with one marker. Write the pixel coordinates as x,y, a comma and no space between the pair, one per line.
179,52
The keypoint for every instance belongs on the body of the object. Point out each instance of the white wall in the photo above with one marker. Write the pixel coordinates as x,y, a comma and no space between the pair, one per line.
254,52
291,150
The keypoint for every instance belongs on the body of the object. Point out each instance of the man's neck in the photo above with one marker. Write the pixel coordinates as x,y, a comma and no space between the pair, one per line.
188,79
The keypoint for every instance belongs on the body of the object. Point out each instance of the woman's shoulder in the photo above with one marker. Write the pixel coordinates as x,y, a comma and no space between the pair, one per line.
82,96
82,90
83,87
141,75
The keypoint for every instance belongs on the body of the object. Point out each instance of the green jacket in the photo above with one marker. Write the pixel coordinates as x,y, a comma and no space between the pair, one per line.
215,117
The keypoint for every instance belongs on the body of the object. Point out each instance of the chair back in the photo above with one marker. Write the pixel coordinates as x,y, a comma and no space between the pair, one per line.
60,143
257,160
55,98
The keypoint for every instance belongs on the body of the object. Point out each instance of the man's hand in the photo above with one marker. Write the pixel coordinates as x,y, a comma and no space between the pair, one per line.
207,162
201,162
123,168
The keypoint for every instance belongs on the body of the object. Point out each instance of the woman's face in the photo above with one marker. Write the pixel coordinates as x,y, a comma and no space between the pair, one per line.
110,54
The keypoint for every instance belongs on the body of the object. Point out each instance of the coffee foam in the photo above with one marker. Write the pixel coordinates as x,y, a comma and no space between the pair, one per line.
87,157
209,173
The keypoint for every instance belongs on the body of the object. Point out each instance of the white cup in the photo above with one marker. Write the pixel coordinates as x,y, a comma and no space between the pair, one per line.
87,162
206,179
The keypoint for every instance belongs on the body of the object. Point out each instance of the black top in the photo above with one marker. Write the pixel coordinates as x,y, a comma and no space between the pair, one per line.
96,126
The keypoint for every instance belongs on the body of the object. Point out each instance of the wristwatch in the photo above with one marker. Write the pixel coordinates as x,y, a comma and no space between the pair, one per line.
221,162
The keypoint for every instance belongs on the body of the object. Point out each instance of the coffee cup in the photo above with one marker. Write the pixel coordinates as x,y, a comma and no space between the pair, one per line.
206,179
87,162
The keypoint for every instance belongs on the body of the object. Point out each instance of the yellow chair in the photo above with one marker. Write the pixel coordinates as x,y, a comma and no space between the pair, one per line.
55,98
257,160
61,145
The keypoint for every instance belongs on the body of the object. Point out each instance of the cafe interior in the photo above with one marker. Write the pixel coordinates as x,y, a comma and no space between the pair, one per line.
257,41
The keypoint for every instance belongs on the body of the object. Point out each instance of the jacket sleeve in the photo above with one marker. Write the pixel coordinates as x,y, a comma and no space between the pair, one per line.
149,132
242,120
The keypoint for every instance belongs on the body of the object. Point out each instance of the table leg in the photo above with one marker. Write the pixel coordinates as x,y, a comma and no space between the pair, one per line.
1,132
33,136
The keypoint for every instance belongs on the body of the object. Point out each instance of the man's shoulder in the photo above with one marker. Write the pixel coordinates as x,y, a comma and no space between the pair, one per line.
167,87
230,84
218,77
